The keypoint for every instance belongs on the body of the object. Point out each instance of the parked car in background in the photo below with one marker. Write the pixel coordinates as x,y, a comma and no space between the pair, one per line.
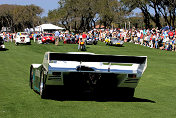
48,38
1,35
2,46
22,38
114,41
91,41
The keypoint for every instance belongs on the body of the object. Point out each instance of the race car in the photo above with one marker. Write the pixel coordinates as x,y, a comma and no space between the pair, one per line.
114,41
22,38
48,38
82,71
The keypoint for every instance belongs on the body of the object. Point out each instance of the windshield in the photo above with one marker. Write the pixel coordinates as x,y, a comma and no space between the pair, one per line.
114,39
48,35
22,33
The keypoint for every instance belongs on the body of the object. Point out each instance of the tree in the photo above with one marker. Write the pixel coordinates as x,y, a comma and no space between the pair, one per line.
6,15
82,15
162,9
19,17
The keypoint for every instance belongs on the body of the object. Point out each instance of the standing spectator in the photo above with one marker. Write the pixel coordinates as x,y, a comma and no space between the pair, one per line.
167,40
173,44
138,36
57,38
132,35
34,36
171,34
84,36
77,38
61,36
141,38
153,40
8,37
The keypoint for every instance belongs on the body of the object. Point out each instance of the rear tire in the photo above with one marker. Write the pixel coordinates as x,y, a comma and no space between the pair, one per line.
31,77
110,43
28,43
43,86
131,92
16,44
95,43
127,92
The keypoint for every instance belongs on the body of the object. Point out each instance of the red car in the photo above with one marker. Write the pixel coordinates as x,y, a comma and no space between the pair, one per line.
48,38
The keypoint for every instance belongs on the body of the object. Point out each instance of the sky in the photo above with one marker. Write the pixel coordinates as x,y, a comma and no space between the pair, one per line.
46,5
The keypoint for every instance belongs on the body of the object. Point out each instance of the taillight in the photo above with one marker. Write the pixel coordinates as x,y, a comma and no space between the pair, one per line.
131,75
56,73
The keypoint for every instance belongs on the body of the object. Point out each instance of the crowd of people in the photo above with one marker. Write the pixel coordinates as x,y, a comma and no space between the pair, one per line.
164,39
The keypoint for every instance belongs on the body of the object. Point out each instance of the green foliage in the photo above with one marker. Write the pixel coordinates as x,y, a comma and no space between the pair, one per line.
19,17
163,9
83,15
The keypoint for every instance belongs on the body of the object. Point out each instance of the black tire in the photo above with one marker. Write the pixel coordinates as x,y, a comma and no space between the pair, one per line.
131,92
95,43
16,44
31,77
127,92
43,86
110,43
28,43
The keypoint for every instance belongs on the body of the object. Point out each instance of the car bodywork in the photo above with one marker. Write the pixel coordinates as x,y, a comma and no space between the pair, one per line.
22,38
91,41
114,41
48,38
85,70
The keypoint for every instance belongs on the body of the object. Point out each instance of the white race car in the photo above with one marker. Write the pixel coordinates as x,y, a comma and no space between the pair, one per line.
22,38
81,71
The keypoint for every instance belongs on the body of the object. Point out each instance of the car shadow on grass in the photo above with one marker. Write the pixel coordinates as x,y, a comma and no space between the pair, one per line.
93,96
4,49
117,46
120,46
98,99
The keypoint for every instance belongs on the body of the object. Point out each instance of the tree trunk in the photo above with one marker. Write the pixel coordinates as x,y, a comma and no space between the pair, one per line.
173,20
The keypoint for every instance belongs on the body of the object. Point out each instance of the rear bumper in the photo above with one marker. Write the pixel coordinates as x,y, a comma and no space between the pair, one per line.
74,79
48,41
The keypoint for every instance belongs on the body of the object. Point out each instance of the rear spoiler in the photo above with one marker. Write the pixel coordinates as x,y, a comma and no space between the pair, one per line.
97,58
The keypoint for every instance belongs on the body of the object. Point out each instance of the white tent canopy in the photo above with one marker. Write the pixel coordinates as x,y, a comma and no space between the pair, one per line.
46,27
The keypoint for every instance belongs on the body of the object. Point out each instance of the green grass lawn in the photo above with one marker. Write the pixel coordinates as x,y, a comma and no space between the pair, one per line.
155,95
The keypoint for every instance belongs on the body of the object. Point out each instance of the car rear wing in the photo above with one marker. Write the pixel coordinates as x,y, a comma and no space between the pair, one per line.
139,63
87,57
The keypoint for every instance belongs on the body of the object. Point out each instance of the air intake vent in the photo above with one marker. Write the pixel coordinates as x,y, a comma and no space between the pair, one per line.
84,68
